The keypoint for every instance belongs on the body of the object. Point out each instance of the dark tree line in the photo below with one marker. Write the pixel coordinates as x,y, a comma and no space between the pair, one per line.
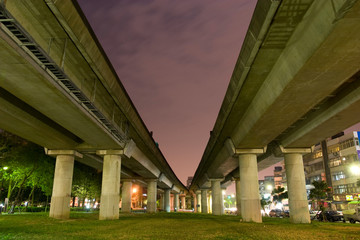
27,173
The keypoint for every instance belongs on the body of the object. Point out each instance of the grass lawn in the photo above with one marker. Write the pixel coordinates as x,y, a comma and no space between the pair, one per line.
168,226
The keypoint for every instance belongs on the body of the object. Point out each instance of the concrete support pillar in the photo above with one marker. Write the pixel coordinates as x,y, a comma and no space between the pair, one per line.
167,200
183,202
60,200
151,196
250,202
126,196
172,207
238,196
222,201
110,188
216,195
193,202
176,202
162,202
298,203
198,201
209,203
204,200
188,204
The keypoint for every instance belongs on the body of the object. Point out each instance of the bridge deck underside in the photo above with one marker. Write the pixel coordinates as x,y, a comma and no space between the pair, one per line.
302,86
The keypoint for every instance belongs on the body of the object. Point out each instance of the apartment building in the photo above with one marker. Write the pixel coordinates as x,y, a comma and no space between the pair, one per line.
336,161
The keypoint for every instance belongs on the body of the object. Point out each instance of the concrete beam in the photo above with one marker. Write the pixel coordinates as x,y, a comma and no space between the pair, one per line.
162,178
23,121
48,91
176,189
140,157
332,117
55,153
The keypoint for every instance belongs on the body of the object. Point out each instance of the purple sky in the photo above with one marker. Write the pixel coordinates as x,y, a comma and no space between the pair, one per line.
175,59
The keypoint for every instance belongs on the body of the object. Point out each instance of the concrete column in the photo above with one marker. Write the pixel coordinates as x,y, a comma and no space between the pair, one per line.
183,202
60,200
222,201
209,203
162,202
198,201
188,204
151,196
193,201
216,195
250,202
110,188
167,200
176,202
298,203
172,207
204,205
238,196
126,196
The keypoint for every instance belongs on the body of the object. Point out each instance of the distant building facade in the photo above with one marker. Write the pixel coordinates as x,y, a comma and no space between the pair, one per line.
278,177
266,186
188,181
336,161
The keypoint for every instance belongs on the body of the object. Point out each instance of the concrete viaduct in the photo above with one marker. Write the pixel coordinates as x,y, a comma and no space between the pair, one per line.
59,90
295,82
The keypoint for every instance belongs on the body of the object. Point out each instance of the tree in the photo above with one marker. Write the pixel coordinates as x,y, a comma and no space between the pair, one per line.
229,201
319,193
42,178
86,183
24,160
263,203
27,166
16,173
29,171
279,194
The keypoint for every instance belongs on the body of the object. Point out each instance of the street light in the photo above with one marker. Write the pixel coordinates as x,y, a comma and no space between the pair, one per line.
5,168
355,169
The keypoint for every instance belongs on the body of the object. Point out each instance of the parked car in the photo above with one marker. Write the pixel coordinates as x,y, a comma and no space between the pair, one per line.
352,215
286,213
331,216
276,213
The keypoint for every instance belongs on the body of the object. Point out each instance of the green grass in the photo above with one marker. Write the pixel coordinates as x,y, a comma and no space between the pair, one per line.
170,226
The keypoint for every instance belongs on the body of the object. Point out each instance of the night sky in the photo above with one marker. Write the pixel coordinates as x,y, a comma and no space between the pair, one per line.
175,59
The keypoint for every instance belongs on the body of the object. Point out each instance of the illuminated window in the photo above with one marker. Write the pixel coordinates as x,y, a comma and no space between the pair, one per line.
318,154
347,144
335,162
333,149
338,176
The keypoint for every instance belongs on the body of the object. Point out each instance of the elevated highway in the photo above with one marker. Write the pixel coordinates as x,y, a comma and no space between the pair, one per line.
58,89
295,82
